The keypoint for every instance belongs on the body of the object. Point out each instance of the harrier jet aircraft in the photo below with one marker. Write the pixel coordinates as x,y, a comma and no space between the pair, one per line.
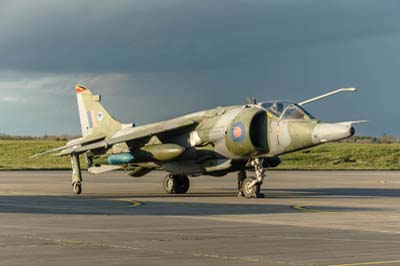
212,142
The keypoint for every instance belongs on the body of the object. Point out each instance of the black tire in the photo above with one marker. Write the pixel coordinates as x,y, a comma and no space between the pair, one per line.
176,184
77,188
248,192
183,184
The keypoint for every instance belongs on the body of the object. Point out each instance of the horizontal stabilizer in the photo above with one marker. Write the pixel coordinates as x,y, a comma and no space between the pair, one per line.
73,146
48,152
82,149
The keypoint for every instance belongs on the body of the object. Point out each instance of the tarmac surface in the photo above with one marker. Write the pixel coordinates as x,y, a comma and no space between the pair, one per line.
307,218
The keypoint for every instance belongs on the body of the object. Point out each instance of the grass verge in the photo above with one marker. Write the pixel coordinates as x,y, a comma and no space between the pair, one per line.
15,155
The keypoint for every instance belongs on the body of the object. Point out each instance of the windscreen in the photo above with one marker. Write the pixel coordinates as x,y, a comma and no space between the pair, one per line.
286,110
275,107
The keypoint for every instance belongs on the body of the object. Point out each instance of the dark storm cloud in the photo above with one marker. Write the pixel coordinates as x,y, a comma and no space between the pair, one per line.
151,36
155,59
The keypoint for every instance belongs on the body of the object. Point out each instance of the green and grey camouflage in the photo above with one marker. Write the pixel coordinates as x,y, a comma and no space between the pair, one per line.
212,142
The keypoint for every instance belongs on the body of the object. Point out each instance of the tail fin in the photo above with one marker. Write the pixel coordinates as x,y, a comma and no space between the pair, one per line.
95,120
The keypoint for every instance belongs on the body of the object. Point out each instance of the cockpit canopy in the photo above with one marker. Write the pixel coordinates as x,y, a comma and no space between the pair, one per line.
286,110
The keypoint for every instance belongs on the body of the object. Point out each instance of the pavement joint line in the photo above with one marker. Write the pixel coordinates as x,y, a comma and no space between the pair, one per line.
232,219
58,241
169,252
275,237
332,239
368,263
262,237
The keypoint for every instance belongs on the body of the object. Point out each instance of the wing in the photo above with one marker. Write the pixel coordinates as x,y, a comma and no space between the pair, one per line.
162,128
132,135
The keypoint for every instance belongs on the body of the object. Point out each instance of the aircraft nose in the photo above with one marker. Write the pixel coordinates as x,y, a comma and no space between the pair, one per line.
326,132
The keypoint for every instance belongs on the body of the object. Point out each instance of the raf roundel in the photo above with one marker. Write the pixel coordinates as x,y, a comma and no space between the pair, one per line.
238,132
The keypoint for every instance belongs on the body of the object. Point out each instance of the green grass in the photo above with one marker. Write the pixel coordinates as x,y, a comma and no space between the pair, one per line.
345,156
15,155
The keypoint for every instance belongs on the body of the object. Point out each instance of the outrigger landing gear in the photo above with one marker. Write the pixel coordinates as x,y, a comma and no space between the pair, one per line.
77,188
250,187
76,174
176,184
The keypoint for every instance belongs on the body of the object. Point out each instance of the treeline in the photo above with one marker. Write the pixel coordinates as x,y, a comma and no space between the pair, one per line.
44,137
385,139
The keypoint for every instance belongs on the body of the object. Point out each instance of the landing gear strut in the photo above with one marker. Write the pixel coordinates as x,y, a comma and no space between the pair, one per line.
176,184
76,174
250,187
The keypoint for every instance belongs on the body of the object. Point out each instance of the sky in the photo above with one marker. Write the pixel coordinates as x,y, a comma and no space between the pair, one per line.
157,59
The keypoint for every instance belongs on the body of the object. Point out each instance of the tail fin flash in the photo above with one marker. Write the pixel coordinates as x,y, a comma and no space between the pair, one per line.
95,120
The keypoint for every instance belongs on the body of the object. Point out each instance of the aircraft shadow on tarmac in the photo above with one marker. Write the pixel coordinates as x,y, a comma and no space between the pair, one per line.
332,192
278,193
111,205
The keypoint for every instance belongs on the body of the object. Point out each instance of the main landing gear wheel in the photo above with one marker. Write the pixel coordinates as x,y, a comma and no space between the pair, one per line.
77,188
176,184
251,190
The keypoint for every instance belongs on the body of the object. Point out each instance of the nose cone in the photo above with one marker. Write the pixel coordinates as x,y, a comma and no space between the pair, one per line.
326,132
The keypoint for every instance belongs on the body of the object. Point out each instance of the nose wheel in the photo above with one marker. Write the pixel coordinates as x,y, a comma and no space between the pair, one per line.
249,190
176,184
250,187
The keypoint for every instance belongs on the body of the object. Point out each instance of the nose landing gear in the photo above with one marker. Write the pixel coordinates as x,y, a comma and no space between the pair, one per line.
250,187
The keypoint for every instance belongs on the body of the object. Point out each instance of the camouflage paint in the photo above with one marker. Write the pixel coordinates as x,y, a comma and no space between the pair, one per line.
213,141
94,118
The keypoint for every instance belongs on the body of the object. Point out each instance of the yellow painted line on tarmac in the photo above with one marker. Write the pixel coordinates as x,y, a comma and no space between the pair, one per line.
132,203
368,263
304,208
